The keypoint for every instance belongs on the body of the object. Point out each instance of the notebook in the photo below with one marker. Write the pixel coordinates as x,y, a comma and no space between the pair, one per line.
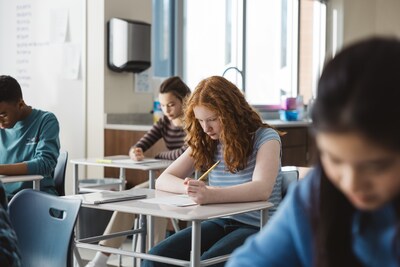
109,196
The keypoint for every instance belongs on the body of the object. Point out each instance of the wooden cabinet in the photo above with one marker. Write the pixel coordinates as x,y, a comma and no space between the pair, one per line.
297,150
297,147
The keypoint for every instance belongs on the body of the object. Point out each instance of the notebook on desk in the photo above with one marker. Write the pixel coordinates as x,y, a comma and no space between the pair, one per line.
109,196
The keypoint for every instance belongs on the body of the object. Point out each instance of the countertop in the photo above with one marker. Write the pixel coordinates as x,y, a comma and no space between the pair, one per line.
144,121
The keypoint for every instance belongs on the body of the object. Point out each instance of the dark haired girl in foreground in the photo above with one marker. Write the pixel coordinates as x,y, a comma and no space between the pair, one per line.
346,212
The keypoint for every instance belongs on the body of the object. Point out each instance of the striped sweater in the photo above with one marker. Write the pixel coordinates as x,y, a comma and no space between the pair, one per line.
173,138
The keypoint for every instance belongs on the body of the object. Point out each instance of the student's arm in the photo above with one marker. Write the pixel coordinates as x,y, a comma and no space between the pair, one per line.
150,138
260,188
172,179
14,169
48,147
171,154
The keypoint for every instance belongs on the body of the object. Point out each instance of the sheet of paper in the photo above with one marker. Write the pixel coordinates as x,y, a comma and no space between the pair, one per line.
72,61
129,161
142,82
178,200
58,25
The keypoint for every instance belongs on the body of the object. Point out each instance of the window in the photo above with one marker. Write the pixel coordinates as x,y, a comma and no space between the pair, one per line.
253,43
256,44
212,38
163,38
271,51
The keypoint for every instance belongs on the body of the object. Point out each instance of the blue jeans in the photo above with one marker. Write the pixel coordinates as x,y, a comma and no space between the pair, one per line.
218,237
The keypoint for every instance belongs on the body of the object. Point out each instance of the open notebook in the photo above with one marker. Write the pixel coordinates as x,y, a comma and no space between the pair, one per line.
109,196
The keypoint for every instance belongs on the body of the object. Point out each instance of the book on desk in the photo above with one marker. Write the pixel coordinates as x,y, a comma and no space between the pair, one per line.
109,196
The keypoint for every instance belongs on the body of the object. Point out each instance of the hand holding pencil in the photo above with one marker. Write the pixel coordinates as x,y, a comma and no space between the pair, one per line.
197,189
136,153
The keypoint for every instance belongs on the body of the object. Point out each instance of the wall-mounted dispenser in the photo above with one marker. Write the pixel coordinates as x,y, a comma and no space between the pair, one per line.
129,45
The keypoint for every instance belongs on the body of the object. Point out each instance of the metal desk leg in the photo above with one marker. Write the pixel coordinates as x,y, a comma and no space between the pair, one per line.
150,219
263,217
122,178
36,185
75,180
143,230
152,179
150,231
196,244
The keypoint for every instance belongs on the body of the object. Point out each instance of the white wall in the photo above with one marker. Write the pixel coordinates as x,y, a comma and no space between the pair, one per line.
119,87
358,19
107,91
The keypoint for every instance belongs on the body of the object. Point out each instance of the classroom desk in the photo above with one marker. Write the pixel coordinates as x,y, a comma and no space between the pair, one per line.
22,178
194,214
151,167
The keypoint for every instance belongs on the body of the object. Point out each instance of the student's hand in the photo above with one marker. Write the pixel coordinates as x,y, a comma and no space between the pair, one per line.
136,153
196,190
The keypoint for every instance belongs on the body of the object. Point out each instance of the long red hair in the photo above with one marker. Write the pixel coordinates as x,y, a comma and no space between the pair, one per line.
239,122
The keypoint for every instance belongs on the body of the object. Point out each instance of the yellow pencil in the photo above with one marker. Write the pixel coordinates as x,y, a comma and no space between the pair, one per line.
203,177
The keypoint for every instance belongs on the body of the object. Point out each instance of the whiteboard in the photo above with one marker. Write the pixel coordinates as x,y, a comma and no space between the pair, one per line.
42,46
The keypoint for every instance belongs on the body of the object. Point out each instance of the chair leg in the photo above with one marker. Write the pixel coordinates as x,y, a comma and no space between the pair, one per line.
175,224
135,239
77,259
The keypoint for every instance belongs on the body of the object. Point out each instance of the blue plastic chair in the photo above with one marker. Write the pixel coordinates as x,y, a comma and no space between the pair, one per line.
290,175
44,226
59,173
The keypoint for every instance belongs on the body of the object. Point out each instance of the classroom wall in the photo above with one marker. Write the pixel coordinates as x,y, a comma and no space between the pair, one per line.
107,91
119,88
358,19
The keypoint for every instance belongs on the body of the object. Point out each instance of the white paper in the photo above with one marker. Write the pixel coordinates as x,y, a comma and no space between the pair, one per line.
178,200
142,82
130,161
72,59
58,25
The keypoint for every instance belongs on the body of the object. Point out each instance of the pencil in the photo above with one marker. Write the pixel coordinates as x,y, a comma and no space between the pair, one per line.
203,177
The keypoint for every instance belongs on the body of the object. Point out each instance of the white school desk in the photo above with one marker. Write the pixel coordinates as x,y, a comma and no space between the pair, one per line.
22,178
194,214
152,167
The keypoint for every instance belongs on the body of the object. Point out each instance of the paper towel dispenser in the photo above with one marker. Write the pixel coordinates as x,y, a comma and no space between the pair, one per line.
129,45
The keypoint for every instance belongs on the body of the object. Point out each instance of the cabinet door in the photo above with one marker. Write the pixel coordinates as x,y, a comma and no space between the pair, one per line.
295,146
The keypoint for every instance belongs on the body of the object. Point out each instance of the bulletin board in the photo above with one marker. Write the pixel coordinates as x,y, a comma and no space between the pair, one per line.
42,46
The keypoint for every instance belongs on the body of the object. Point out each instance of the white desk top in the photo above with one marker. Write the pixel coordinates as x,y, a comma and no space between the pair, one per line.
156,165
188,213
19,178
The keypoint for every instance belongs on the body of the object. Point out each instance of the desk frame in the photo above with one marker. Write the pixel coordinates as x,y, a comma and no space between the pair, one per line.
151,167
23,178
194,214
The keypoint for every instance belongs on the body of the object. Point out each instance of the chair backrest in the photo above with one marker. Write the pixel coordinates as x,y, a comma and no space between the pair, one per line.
59,172
44,226
290,175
